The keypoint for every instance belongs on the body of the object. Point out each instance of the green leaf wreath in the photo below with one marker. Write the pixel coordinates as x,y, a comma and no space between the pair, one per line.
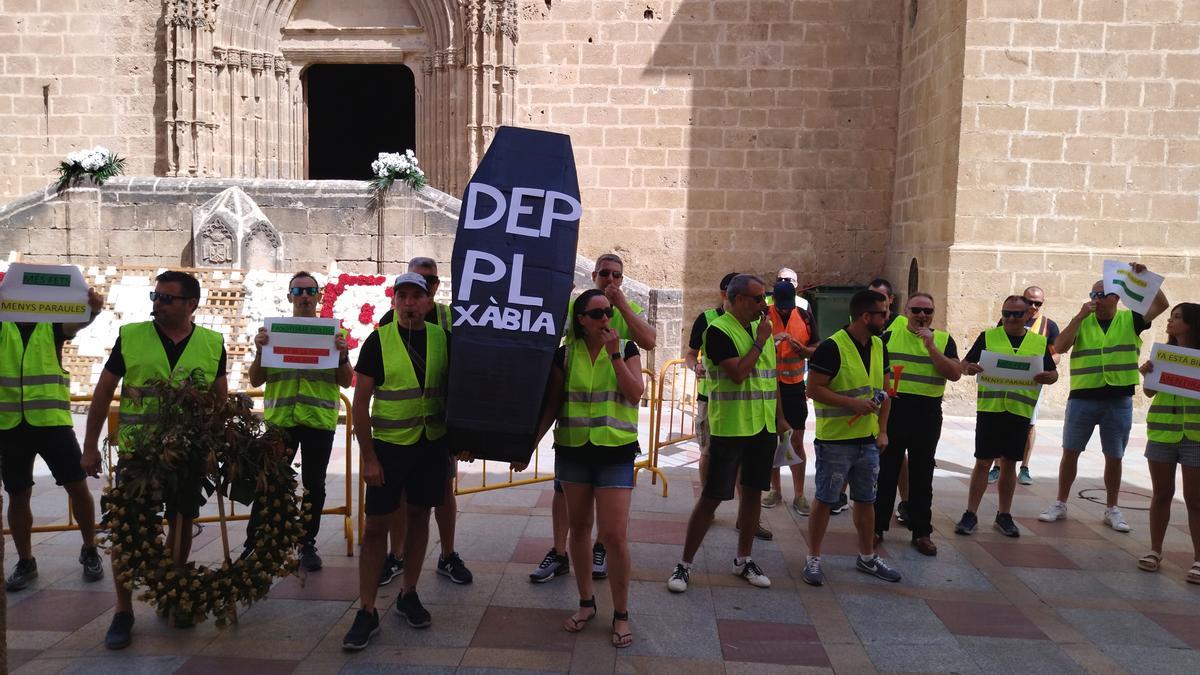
200,441
100,163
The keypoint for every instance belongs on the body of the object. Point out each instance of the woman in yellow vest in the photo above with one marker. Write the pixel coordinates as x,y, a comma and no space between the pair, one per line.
1173,437
593,393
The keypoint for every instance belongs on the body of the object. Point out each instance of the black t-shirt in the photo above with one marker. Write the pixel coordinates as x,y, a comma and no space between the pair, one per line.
908,409
827,360
598,454
26,330
370,357
696,339
390,315
1110,391
977,348
720,346
174,350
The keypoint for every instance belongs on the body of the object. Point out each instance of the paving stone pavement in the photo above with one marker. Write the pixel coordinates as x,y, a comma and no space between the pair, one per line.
1064,597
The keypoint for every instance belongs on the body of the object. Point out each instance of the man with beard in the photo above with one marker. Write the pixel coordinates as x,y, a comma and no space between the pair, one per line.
930,358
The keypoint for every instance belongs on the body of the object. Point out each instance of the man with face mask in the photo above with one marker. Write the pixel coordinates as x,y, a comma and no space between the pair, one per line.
1104,361
1002,418
304,403
930,358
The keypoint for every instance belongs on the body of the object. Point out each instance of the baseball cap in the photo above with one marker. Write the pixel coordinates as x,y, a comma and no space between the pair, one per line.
725,280
411,278
785,295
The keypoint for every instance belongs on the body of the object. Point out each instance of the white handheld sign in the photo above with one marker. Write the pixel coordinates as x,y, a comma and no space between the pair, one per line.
1008,371
1137,291
44,294
1176,370
301,343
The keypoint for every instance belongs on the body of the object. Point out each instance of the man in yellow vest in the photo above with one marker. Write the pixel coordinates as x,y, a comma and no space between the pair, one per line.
305,404
1002,417
400,424
743,413
1104,342
166,348
694,360
847,382
35,419
930,359
629,321
450,564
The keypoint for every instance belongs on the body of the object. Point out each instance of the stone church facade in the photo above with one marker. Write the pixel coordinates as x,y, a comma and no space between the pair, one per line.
963,147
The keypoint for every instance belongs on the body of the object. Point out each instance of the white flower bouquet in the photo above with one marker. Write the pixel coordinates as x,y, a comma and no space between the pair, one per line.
393,166
100,163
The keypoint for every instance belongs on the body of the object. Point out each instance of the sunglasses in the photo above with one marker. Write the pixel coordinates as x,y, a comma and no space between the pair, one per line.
1013,313
1034,303
598,313
789,280
927,311
167,298
609,273
1099,295
430,279
298,291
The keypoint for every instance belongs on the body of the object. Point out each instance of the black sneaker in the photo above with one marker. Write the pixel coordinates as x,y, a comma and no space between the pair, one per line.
120,631
1005,525
454,569
902,514
409,606
309,560
599,561
392,568
553,565
93,568
23,573
967,524
842,505
366,626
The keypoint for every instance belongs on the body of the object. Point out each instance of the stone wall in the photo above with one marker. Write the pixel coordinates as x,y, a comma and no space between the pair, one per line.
1080,142
77,73
718,135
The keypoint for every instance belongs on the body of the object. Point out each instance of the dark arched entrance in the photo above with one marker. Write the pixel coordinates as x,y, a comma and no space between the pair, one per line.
355,112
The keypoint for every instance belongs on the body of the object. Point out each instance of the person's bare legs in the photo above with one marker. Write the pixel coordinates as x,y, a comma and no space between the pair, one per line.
698,524
776,480
560,524
372,554
749,509
446,515
1162,477
20,521
818,521
864,526
1007,484
578,498
612,516
978,483
1068,467
397,527
1029,446
415,546
797,471
1112,480
84,508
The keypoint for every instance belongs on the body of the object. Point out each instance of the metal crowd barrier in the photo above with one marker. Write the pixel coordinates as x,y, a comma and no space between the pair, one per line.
114,423
677,390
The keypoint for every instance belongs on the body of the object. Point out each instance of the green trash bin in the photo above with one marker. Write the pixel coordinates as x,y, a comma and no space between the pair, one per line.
830,306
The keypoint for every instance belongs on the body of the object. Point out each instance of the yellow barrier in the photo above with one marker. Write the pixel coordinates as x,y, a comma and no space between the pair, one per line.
114,423
677,388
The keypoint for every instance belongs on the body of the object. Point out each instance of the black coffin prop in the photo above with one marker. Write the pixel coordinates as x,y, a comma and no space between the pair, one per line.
512,268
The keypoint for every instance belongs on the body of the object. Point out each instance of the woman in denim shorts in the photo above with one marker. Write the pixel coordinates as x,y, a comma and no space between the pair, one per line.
1176,422
593,393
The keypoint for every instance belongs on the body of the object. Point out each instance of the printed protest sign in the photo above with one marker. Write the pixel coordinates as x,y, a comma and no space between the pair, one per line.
1137,291
44,294
1176,370
1008,371
512,268
301,343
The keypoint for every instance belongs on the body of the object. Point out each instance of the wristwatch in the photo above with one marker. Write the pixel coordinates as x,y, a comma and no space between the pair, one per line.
615,356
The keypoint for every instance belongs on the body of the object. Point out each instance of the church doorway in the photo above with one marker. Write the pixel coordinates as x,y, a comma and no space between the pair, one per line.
355,112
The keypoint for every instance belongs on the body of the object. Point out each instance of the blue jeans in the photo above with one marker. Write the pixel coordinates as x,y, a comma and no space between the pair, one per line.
619,475
839,463
1114,416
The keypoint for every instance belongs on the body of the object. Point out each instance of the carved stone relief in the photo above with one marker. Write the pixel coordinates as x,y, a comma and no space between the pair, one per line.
230,231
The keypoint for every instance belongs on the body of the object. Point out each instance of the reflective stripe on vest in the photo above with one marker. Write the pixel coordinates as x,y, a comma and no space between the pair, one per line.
1171,418
146,361
33,384
402,408
704,385
1000,400
853,380
790,364
919,377
594,409
1105,358
742,409
307,398
442,312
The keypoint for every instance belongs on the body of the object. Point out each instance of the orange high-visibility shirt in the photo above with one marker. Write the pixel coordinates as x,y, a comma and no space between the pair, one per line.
789,363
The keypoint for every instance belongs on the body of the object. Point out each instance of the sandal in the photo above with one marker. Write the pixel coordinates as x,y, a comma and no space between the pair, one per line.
1150,562
1193,575
573,625
623,640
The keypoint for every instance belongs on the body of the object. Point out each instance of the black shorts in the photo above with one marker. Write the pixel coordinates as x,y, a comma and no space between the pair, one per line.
793,400
1000,434
754,455
20,445
415,474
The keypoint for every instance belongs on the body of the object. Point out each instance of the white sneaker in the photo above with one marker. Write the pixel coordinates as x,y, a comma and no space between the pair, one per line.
678,582
1114,519
750,571
1057,511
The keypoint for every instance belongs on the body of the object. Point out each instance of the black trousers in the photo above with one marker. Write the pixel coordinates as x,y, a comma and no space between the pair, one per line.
315,446
918,438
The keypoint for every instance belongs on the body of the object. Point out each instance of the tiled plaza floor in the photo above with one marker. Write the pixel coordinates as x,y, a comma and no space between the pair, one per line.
1065,597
